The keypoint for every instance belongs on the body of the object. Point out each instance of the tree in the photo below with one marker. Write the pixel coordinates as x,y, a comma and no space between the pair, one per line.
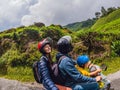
111,9
118,7
97,14
39,24
103,11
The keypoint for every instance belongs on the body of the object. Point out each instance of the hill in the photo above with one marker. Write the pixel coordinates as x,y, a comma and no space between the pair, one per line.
110,21
81,25
105,22
103,38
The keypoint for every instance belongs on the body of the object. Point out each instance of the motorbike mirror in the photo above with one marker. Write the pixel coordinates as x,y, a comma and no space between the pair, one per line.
103,67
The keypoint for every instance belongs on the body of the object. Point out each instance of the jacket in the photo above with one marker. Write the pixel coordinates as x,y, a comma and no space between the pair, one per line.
45,72
82,70
70,73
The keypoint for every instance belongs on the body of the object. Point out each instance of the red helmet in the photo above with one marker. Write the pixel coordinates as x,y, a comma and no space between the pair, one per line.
42,43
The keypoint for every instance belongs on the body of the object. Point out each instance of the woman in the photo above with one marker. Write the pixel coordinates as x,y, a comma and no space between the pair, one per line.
44,47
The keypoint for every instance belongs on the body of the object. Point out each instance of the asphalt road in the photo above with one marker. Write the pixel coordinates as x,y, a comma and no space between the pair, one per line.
115,80
116,84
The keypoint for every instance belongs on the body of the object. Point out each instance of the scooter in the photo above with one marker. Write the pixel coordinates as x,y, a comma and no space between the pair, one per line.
105,81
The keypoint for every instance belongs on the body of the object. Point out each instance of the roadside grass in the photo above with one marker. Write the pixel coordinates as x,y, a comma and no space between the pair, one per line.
23,74
113,65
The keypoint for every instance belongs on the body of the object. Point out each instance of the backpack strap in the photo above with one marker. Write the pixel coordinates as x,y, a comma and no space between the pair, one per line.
62,57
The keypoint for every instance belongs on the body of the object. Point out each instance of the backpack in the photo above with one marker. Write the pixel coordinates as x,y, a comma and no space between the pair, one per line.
37,77
57,78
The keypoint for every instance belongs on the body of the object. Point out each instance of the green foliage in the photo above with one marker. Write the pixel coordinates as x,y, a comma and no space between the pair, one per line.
106,19
29,35
39,24
81,25
24,74
111,9
9,56
55,34
113,65
103,11
116,48
82,33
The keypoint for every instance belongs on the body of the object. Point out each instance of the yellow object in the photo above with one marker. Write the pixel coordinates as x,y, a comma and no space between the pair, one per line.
101,84
82,70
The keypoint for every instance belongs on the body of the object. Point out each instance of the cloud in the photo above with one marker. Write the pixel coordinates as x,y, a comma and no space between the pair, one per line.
26,12
57,12
64,11
11,12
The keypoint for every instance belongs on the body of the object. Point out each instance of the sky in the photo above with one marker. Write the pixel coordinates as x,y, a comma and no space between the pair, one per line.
15,13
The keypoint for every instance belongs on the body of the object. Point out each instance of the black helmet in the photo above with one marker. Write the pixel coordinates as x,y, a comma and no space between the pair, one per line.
64,44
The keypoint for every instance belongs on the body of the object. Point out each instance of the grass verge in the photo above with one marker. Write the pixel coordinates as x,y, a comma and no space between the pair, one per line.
113,65
23,74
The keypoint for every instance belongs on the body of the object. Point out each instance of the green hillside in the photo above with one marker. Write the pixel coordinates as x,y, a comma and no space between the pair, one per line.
111,27
81,25
101,23
103,36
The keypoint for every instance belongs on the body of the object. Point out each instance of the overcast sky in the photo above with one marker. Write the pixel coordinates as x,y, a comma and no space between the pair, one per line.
14,13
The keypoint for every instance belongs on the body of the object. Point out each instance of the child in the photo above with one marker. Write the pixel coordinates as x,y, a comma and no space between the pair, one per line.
83,62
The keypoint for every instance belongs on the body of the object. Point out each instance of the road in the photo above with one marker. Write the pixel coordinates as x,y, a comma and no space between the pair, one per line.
115,80
116,84
6,84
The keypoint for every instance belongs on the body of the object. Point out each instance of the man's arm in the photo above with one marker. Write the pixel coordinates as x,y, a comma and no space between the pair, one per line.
69,67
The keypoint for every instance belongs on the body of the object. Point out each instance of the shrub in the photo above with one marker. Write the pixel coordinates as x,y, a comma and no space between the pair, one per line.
39,24
116,48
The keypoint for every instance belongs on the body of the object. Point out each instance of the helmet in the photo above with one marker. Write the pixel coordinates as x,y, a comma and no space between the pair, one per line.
42,43
64,44
81,60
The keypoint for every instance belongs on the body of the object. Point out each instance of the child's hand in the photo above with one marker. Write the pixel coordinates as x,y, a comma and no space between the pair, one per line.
95,73
98,71
98,78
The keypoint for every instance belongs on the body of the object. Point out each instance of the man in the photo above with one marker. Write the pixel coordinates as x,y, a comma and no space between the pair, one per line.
73,78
